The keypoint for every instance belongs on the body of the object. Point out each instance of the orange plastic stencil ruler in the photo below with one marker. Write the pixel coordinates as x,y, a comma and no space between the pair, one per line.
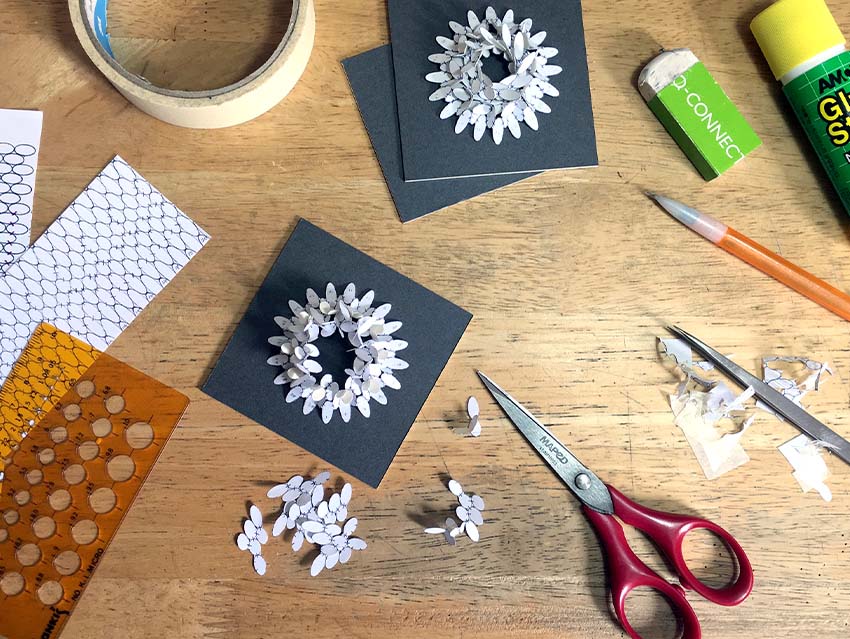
50,365
69,485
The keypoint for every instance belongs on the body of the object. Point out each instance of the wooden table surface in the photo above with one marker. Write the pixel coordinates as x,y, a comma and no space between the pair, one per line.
570,276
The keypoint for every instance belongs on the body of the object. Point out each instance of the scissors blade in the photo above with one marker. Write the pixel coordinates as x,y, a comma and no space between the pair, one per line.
773,398
578,478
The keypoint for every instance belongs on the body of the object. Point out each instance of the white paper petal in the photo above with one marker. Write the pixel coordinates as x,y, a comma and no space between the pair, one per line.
357,544
317,566
259,565
455,488
242,541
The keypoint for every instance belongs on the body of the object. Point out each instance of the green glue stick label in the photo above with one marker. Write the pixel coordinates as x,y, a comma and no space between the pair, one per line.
704,122
820,99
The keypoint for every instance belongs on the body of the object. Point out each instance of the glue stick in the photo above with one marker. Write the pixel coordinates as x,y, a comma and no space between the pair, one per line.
806,52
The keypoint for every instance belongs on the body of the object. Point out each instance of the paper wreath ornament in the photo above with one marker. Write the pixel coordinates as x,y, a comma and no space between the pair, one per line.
475,98
368,331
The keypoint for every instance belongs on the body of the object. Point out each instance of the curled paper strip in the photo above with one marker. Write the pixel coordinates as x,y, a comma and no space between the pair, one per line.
473,96
368,331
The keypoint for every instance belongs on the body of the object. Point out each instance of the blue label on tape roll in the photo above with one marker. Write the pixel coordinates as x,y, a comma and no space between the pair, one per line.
99,25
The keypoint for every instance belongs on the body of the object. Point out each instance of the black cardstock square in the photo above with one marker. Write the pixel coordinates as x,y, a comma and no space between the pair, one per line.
243,379
430,148
370,75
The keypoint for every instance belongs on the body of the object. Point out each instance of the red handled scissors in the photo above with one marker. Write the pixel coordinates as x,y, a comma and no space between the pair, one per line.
601,503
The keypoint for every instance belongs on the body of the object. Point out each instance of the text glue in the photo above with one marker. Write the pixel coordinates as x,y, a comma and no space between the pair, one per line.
806,52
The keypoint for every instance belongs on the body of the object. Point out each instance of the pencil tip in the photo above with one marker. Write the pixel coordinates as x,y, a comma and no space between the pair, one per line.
651,195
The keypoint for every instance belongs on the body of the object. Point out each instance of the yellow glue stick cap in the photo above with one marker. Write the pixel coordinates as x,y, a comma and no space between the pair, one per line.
790,32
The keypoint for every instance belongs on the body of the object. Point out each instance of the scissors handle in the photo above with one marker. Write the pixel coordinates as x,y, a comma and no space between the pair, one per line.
627,572
668,531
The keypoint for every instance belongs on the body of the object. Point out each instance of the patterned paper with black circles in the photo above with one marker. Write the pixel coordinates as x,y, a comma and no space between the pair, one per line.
98,265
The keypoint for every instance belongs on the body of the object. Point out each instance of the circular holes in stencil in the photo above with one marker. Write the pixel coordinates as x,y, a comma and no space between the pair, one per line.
46,456
12,584
59,500
72,412
84,532
50,593
139,435
67,563
22,497
102,500
59,434
85,389
10,517
114,404
120,468
34,477
74,474
28,555
44,527
4,535
101,427
88,450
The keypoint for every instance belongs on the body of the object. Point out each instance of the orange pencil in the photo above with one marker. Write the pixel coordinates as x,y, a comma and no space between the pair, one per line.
758,256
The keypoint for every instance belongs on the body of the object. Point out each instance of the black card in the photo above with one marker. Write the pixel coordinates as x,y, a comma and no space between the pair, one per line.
243,379
431,149
371,77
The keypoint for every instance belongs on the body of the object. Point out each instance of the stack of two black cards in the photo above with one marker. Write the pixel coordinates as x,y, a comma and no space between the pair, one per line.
427,165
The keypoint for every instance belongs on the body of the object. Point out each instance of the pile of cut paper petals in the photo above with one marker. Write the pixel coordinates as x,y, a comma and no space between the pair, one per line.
314,518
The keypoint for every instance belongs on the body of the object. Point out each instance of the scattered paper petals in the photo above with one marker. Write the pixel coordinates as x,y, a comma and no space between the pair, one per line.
469,513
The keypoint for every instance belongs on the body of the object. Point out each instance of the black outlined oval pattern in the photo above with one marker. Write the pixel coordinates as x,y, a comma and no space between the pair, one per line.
17,172
98,265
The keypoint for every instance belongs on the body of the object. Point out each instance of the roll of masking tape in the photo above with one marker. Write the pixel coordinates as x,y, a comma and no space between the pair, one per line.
216,108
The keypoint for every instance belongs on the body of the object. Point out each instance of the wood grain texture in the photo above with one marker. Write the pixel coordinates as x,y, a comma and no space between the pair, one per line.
570,276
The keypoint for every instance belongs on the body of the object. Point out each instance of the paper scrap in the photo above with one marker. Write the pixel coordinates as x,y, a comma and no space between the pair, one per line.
98,265
316,520
468,511
702,414
792,376
20,136
473,428
717,451
810,471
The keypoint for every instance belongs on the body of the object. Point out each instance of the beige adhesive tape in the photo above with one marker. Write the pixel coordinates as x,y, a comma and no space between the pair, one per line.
233,104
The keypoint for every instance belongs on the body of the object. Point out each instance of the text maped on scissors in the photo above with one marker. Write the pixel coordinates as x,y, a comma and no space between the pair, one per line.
604,505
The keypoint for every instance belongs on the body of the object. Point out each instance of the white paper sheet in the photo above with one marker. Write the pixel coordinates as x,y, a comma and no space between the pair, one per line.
98,265
20,136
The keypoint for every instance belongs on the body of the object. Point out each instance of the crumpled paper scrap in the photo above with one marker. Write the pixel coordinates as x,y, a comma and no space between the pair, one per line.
713,419
794,377
810,471
700,405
